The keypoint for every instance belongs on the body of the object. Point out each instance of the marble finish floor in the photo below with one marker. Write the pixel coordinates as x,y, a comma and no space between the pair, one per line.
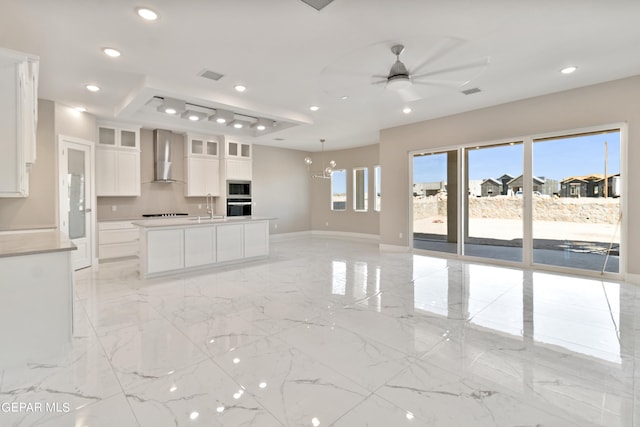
330,332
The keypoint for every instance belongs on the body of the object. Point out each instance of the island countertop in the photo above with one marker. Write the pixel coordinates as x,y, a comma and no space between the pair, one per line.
34,242
197,221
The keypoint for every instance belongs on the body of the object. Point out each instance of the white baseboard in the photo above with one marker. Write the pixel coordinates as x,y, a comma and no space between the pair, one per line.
393,248
287,236
346,235
632,278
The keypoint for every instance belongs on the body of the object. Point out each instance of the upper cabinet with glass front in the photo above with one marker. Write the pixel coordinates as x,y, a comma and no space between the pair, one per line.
19,106
118,160
239,150
115,136
202,146
202,165
238,163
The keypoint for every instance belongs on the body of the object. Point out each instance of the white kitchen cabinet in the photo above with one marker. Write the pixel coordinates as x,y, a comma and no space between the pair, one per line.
238,169
202,163
164,250
256,239
19,106
118,161
199,246
117,239
238,163
173,245
240,150
230,242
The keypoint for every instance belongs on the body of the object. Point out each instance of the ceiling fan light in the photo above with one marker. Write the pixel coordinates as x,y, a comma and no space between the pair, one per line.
398,82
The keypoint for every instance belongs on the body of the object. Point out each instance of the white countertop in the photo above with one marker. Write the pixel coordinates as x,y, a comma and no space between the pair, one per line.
34,242
196,221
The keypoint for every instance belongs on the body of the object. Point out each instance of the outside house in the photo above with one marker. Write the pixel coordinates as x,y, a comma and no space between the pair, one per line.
590,186
504,180
508,185
491,187
541,185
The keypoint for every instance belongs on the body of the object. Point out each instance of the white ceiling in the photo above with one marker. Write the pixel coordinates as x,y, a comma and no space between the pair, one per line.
291,56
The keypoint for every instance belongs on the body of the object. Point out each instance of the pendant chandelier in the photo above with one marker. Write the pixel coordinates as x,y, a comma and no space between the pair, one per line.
326,171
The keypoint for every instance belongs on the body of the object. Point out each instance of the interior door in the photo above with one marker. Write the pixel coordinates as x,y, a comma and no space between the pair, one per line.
76,198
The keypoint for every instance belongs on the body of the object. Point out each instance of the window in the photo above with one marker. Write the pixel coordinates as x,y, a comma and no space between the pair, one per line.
360,189
339,190
376,189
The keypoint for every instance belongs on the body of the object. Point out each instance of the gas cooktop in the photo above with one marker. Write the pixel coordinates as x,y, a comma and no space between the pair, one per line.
163,214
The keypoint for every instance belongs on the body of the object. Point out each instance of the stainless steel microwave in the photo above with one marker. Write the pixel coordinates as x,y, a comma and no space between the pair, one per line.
238,188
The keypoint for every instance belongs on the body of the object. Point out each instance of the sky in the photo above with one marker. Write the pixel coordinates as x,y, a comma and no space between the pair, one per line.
556,159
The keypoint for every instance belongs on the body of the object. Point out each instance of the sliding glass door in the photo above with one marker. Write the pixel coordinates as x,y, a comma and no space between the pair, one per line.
493,220
576,201
435,201
552,201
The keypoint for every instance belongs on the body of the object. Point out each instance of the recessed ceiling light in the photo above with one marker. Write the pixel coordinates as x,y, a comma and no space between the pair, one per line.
406,110
194,118
240,88
81,109
92,88
314,108
569,70
111,52
170,110
147,14
221,120
344,97
261,127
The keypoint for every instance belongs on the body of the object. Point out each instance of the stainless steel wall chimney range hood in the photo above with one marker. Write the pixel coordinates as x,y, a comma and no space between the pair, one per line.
162,155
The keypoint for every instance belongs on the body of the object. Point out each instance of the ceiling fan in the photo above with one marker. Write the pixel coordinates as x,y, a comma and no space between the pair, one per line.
401,79
429,67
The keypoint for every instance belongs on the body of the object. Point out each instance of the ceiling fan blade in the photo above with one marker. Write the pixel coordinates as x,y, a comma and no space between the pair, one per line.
443,47
379,76
475,64
379,82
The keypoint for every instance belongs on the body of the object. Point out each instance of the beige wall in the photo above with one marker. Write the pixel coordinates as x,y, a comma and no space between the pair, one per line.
602,104
281,188
40,209
70,122
349,220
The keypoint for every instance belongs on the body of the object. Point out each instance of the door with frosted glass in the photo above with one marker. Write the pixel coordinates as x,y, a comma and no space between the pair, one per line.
76,199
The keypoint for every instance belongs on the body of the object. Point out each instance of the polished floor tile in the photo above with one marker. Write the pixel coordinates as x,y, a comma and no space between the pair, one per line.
333,332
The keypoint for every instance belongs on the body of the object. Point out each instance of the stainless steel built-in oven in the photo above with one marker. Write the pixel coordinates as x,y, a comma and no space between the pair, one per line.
236,189
239,207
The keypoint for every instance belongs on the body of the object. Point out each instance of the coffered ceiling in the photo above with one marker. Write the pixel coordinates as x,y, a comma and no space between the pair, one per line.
290,56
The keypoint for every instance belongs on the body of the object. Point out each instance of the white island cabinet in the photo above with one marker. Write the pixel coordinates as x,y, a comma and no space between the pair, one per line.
36,296
173,245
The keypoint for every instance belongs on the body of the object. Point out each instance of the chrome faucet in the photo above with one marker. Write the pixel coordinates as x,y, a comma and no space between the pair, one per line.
210,205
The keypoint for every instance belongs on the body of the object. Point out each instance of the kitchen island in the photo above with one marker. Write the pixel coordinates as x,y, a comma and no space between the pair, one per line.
174,245
36,295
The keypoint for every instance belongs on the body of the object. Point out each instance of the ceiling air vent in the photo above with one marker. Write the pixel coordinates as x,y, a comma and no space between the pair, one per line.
471,91
317,4
278,139
211,75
